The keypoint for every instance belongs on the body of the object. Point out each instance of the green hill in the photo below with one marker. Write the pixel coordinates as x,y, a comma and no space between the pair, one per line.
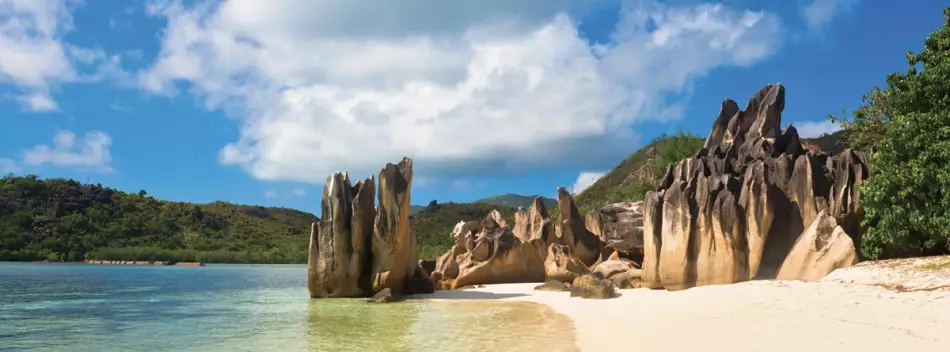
434,224
512,200
60,219
633,177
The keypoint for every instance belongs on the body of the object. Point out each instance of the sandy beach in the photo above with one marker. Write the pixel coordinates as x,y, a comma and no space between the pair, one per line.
878,306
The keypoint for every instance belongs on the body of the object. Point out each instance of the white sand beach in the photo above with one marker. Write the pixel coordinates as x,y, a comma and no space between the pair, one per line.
880,306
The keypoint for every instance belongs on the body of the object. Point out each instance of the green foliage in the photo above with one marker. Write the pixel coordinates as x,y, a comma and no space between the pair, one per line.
433,226
639,173
907,128
59,219
515,200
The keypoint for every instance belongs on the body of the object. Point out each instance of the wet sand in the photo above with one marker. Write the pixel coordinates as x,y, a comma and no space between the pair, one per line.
878,306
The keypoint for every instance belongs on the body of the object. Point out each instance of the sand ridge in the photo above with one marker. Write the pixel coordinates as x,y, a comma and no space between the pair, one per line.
885,306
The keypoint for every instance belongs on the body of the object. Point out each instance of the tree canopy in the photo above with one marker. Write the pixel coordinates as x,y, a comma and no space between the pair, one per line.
906,127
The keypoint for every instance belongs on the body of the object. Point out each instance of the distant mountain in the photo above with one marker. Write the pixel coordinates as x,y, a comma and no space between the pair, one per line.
512,200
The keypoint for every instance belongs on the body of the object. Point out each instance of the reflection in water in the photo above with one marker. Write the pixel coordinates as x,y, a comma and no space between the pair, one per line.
423,326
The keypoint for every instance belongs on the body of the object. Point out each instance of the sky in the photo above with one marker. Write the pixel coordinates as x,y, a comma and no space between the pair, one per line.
257,102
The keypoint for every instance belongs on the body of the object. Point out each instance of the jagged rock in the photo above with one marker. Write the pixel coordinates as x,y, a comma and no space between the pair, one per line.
676,270
395,255
821,249
561,265
338,254
728,109
622,272
593,286
497,257
533,223
620,227
553,286
359,249
496,215
743,205
572,232
652,238
386,295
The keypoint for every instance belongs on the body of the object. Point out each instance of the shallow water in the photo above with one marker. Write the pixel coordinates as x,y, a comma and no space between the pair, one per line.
78,307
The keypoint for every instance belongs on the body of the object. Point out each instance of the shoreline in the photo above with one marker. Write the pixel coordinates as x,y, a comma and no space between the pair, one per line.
878,306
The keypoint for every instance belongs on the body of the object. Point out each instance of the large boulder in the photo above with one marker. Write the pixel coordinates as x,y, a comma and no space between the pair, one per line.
593,286
744,205
561,265
339,244
622,272
620,227
821,249
572,232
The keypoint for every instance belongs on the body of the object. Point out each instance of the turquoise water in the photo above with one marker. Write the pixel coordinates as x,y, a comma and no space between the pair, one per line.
78,307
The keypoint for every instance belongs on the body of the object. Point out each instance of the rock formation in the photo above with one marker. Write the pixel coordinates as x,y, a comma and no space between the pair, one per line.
620,227
488,253
622,272
593,286
572,232
562,265
339,244
739,208
357,250
533,223
822,248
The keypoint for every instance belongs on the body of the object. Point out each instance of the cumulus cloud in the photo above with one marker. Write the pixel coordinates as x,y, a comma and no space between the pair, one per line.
585,179
271,194
815,129
89,152
324,86
34,57
819,13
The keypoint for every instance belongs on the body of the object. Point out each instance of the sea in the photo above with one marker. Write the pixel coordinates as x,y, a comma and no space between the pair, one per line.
101,308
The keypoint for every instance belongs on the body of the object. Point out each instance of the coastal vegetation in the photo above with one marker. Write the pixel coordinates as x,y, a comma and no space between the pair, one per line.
906,127
64,220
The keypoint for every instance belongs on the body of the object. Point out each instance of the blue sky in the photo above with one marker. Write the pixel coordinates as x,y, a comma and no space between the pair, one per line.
257,101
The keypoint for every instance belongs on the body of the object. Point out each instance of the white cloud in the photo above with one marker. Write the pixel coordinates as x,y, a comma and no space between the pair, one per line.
585,179
819,13
298,192
39,102
464,88
8,166
34,58
89,153
816,128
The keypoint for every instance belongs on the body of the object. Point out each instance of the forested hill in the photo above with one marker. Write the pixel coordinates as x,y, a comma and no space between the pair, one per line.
60,219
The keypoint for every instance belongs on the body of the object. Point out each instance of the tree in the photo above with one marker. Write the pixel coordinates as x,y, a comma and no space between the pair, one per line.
906,126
